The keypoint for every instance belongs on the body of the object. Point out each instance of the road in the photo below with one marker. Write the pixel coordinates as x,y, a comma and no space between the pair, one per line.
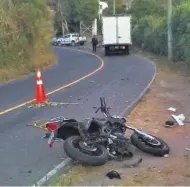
25,156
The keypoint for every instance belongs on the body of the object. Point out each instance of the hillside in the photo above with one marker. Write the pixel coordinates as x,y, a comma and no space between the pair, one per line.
26,31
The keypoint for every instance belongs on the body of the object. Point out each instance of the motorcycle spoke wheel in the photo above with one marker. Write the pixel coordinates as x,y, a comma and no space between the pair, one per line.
161,150
151,142
90,150
73,150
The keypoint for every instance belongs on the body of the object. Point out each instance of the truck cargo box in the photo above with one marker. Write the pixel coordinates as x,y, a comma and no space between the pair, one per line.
116,31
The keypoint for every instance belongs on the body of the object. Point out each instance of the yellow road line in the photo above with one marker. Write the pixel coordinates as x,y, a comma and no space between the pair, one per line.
62,87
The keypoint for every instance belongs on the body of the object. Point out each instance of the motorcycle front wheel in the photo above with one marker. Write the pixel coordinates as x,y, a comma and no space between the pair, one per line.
157,148
74,150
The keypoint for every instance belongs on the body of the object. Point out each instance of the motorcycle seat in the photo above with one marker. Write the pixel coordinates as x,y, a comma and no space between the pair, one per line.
90,126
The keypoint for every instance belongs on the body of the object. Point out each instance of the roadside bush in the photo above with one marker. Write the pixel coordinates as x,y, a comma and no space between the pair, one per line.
26,29
181,32
150,28
150,34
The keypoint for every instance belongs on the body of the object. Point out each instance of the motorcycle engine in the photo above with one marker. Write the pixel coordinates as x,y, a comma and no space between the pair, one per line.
118,128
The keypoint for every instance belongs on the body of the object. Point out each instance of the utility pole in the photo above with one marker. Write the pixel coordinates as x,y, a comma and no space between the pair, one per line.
113,7
170,50
99,9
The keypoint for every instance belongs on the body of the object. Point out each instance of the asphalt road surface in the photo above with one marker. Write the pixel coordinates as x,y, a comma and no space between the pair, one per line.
25,156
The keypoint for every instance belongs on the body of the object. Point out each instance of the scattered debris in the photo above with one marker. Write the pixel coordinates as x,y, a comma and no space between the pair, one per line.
136,164
41,125
113,175
170,124
166,155
179,119
29,171
172,109
38,105
46,136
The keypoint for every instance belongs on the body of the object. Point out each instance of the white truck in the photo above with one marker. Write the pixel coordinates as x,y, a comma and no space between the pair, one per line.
116,31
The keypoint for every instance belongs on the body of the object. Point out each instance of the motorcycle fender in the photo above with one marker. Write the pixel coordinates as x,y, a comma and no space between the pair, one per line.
66,131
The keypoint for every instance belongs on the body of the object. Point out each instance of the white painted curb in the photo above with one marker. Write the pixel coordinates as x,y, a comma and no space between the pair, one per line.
50,174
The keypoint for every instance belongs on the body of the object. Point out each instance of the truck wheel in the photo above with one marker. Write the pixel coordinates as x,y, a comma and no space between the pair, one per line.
82,43
106,51
127,51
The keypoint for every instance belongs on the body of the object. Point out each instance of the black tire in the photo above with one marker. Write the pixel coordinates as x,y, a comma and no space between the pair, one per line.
156,151
82,43
105,51
83,158
127,51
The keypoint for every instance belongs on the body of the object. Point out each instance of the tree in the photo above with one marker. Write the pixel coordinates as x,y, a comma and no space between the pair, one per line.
75,11
25,30
150,27
120,7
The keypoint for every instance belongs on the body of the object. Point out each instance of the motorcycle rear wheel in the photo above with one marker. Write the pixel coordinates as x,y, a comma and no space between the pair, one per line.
147,148
73,150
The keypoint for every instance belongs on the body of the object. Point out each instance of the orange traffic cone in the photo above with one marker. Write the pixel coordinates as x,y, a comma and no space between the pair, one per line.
40,91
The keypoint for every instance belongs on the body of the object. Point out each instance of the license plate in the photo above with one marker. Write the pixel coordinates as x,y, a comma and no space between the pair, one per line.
116,47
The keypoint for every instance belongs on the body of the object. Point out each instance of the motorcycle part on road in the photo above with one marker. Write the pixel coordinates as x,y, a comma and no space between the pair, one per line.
134,165
72,149
147,148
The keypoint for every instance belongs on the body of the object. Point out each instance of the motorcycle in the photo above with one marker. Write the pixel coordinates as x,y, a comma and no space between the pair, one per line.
95,141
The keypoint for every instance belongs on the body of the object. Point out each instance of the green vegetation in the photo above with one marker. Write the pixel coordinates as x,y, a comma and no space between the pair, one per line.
27,27
119,7
149,30
150,27
74,11
25,34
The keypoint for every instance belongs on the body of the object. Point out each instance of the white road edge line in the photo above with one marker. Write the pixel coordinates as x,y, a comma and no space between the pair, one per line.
68,160
52,172
135,102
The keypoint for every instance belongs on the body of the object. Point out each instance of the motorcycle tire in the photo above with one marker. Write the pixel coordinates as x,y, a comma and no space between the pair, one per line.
83,158
156,151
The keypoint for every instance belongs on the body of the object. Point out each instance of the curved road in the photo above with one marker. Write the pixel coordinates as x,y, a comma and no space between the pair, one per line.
25,156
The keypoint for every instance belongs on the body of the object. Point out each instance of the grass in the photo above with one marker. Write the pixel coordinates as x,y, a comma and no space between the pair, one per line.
80,174
74,176
11,73
163,63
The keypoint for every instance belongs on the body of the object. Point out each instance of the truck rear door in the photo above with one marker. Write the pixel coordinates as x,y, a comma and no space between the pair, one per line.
109,30
124,29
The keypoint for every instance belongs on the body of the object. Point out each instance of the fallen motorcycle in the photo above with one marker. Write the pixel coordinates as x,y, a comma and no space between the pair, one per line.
94,141
89,141
147,143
